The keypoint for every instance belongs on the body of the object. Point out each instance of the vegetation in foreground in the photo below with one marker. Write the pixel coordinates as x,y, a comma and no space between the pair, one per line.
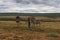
10,31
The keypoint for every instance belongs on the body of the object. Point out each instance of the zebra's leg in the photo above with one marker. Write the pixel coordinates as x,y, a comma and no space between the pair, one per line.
18,24
29,23
40,24
34,23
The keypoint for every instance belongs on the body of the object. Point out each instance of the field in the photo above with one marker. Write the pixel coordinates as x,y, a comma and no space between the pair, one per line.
43,31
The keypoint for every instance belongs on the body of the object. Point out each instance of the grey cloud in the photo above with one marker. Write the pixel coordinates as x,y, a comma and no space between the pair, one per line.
36,6
46,2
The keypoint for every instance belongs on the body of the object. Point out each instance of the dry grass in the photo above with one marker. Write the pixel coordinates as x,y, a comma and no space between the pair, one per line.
23,33
54,25
43,31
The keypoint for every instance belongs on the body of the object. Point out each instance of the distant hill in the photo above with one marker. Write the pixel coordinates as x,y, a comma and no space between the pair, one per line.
31,14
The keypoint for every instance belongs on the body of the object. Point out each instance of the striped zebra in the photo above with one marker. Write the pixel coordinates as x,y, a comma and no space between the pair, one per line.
33,21
18,19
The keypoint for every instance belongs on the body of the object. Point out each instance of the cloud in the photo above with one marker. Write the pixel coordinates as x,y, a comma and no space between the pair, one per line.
30,6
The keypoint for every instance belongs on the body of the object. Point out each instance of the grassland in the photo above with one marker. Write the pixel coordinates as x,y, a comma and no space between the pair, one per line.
46,30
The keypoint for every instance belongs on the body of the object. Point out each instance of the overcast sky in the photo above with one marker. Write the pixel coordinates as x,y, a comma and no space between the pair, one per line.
30,6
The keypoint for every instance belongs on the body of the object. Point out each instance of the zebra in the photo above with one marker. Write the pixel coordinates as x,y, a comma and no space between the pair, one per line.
33,20
18,19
